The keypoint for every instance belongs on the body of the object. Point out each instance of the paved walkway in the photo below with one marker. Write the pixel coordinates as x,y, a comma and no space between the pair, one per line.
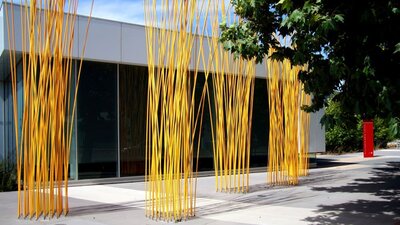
346,189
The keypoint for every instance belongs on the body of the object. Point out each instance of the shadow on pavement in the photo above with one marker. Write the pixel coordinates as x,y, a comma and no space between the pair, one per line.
257,196
104,208
326,163
384,182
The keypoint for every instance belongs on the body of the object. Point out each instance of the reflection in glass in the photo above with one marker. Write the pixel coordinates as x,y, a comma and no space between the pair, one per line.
9,127
133,105
97,121
9,153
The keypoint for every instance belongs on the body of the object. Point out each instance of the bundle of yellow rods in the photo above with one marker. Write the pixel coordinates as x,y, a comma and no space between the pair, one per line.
232,90
289,125
49,98
304,134
173,117
175,51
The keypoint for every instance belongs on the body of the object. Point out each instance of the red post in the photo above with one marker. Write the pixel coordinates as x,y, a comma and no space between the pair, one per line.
368,128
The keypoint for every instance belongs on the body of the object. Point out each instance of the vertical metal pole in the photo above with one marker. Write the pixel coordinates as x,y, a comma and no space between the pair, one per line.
76,124
118,124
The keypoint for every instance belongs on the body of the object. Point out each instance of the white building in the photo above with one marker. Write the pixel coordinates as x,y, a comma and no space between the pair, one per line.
109,137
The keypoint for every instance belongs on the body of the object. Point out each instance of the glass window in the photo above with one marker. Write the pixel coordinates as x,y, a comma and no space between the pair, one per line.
7,122
133,110
20,98
72,155
206,162
260,125
2,122
9,125
97,121
9,129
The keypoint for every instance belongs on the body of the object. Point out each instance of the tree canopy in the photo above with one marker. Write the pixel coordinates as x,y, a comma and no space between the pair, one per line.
352,48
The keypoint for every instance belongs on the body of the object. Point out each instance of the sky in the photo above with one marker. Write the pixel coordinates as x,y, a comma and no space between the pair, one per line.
130,11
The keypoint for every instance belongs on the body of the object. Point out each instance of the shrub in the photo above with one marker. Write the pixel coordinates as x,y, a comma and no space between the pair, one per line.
343,131
8,178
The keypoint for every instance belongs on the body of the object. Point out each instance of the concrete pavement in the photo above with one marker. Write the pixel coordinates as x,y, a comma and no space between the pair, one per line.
345,189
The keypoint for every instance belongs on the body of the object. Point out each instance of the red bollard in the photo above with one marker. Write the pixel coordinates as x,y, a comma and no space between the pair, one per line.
368,134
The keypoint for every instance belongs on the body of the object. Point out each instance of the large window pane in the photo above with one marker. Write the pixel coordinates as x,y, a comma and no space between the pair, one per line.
206,162
97,121
9,125
72,155
2,146
133,104
260,125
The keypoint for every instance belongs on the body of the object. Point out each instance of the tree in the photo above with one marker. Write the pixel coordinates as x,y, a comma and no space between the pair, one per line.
351,47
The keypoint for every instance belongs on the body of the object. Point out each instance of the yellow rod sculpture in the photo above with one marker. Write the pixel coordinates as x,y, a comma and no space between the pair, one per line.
289,125
232,91
46,99
174,117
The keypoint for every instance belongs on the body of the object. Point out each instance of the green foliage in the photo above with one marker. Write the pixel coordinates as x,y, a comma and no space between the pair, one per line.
394,128
344,131
351,47
8,178
382,132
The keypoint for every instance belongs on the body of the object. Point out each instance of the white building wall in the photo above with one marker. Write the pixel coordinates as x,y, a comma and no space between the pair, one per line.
133,42
103,40
317,132
110,41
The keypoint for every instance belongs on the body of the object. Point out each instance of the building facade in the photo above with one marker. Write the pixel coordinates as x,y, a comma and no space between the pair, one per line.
110,121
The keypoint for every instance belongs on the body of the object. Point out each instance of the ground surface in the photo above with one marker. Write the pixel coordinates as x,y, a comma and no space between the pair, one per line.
346,189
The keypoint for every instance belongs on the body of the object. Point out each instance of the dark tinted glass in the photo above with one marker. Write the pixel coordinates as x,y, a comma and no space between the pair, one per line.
97,121
206,161
260,125
133,105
